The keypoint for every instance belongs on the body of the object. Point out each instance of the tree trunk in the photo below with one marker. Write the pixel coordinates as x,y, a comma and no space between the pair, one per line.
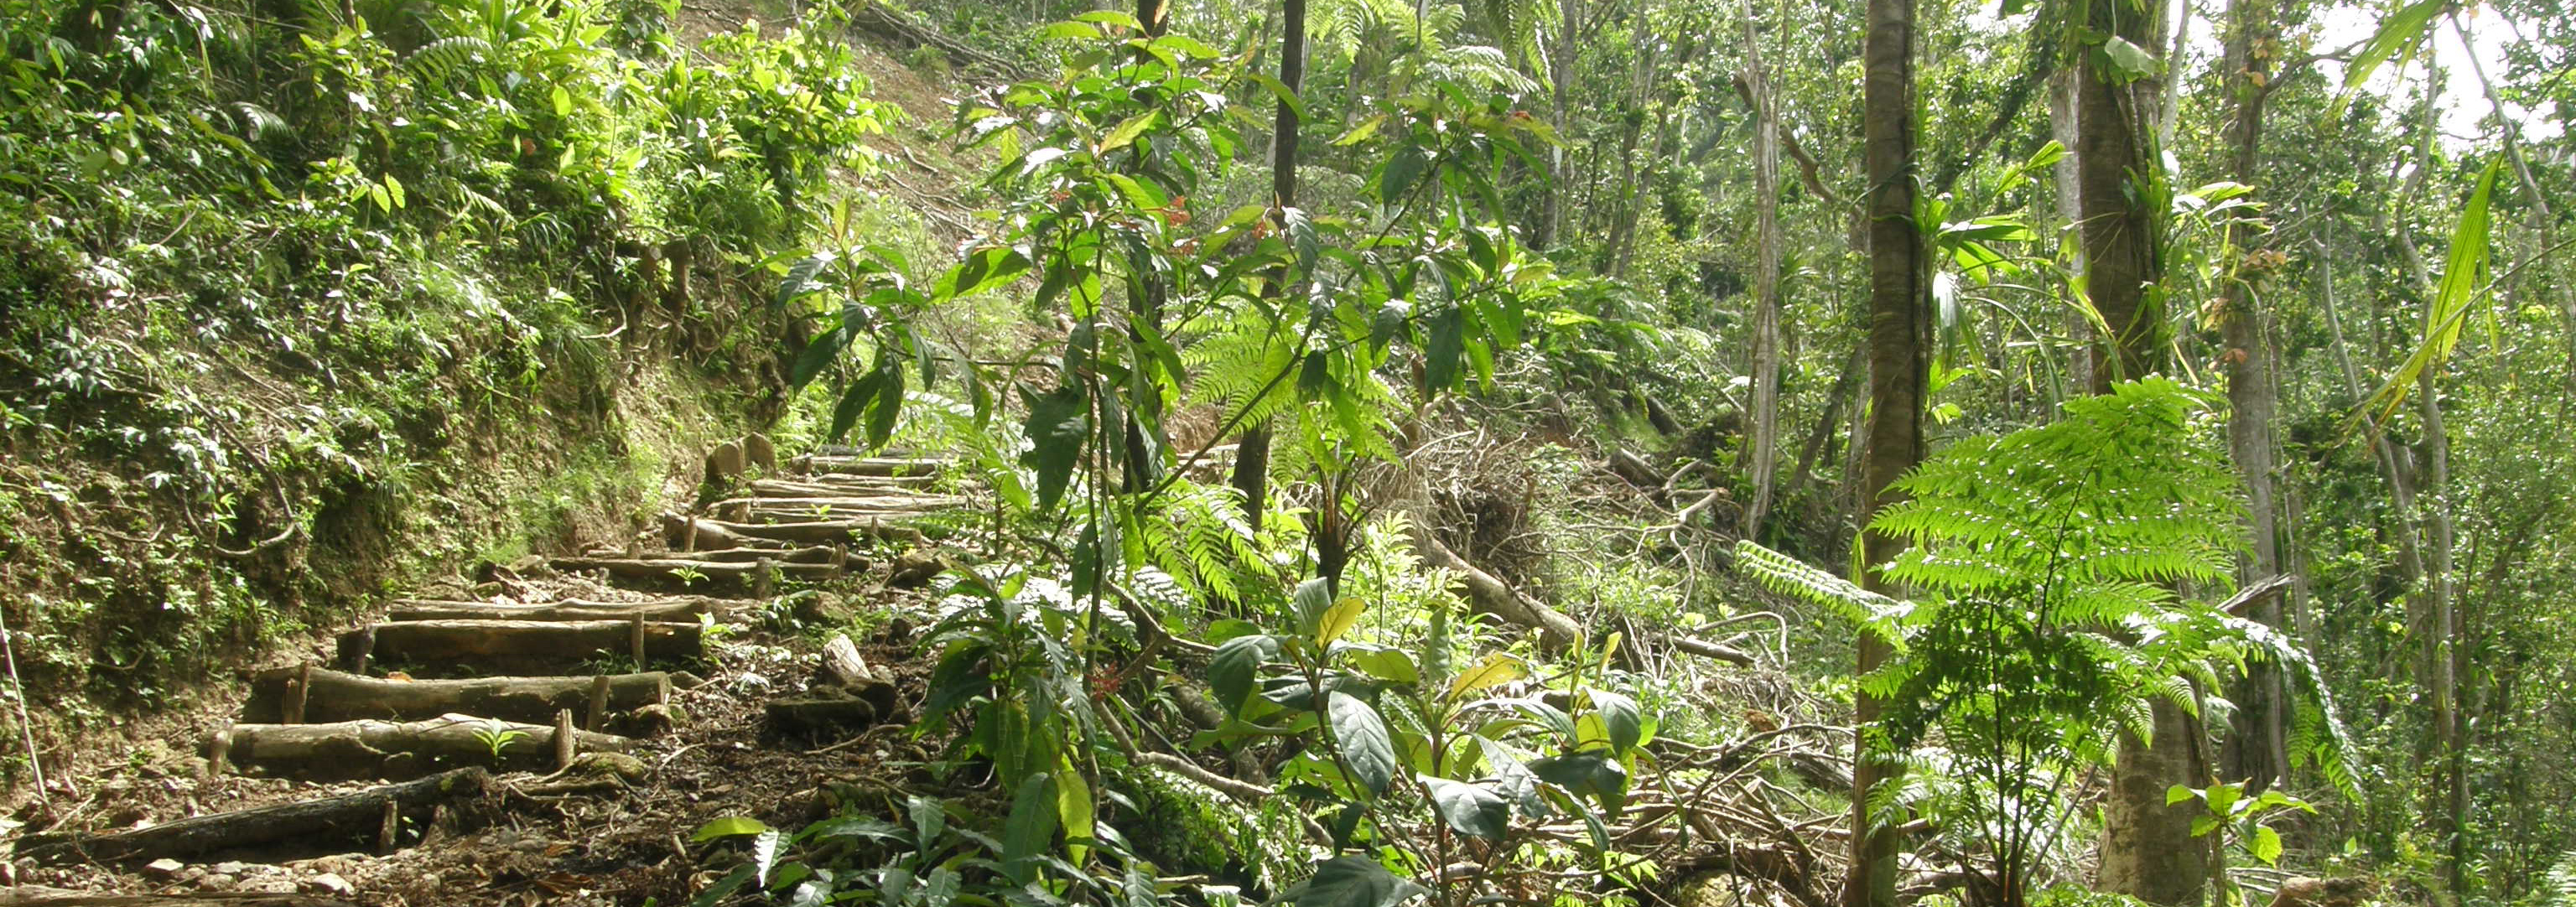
2148,851
1252,452
1899,337
2258,749
1765,453
1560,72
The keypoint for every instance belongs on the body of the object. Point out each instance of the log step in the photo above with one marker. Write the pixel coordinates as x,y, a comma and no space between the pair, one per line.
395,750
815,532
860,505
502,646
358,821
314,695
680,568
870,466
832,484
683,610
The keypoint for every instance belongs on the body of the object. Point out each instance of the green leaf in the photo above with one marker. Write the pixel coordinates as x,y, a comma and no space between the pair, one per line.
855,402
562,101
1496,669
1338,620
1621,718
983,269
1312,598
1126,132
1388,665
2403,29
1031,825
2179,794
1353,882
1594,774
2266,845
2463,273
1280,90
1361,132
1234,666
1068,31
1059,424
726,827
724,887
1073,808
1448,341
800,278
1470,809
1363,740
1400,172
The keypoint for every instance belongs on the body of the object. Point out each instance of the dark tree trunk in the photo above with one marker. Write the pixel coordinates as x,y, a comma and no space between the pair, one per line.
1252,453
2257,749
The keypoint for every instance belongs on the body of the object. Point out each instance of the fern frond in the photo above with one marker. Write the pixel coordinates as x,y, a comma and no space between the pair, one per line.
1875,614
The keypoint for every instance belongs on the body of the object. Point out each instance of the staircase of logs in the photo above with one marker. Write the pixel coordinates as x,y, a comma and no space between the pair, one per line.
441,697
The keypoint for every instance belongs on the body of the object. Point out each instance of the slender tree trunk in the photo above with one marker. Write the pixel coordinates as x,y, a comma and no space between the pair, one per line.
2148,850
2258,749
1765,452
1899,336
2070,209
1252,453
1560,75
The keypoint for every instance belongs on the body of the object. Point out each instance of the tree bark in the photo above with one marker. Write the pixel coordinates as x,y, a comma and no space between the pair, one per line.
1899,337
2257,750
2148,851
1765,442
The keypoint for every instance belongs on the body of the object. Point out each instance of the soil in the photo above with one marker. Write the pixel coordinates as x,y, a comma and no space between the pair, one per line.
624,842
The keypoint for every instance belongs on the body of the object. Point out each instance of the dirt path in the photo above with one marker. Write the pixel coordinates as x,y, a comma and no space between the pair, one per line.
552,738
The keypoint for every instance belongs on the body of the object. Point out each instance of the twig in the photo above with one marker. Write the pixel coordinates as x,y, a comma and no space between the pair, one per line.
26,729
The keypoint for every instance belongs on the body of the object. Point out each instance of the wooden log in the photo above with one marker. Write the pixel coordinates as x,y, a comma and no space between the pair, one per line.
682,610
725,463
567,741
681,568
403,749
491,645
838,485
757,449
597,706
299,690
823,532
330,824
872,466
850,504
334,696
810,554
693,534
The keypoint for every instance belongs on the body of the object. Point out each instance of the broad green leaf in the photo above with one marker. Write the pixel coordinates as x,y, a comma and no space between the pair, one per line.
1353,882
2463,275
1388,665
983,269
1126,132
1361,132
1234,666
2179,794
1059,424
2266,845
1447,342
1592,774
1400,172
1496,669
800,278
1312,598
1363,740
1338,620
562,101
1068,31
726,827
1073,809
724,887
1621,718
854,403
1471,809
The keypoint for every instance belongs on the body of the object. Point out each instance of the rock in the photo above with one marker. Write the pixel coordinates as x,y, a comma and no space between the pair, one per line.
2314,892
276,884
821,608
725,463
216,881
165,867
915,569
230,868
331,883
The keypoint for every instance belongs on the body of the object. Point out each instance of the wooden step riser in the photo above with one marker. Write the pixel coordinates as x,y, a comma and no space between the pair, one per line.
603,701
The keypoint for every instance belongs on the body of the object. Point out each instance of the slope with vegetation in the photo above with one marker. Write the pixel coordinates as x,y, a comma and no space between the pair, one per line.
1574,452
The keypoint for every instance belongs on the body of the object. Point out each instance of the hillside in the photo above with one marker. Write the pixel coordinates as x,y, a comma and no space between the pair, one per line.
1333,453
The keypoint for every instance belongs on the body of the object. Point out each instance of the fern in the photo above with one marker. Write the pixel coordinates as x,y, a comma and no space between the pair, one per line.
446,56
